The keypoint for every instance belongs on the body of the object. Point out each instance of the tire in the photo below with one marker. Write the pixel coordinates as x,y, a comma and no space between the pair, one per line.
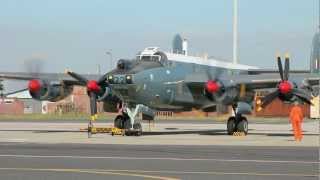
231,125
138,128
243,125
118,122
127,124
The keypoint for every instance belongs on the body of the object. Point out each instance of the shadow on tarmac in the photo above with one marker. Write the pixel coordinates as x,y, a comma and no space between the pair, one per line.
217,132
201,132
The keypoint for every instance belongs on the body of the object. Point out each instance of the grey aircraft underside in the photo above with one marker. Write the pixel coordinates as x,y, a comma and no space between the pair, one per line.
156,80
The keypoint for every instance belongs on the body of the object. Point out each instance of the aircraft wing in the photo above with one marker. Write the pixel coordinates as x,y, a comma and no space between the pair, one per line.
260,81
44,76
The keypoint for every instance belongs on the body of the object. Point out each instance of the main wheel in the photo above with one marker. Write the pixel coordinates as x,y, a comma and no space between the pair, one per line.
231,125
243,125
138,128
118,122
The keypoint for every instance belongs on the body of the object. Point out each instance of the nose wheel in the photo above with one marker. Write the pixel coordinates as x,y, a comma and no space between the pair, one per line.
123,122
239,124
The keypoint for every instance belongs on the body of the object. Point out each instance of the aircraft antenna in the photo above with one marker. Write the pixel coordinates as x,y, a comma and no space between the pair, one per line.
235,31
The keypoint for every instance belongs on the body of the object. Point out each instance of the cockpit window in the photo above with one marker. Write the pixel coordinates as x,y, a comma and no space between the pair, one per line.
158,57
155,58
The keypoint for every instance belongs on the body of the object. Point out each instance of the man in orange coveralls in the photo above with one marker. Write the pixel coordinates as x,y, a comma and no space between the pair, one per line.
296,118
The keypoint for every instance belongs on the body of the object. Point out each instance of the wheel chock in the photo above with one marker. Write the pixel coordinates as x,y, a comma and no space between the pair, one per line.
237,133
103,129
95,130
117,131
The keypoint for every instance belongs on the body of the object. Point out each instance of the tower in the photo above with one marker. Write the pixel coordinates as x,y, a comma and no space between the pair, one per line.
315,49
177,44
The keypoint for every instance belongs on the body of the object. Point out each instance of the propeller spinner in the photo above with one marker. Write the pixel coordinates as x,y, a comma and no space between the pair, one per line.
34,86
212,86
285,87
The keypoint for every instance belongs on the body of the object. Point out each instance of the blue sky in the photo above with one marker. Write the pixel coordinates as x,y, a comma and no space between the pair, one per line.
76,33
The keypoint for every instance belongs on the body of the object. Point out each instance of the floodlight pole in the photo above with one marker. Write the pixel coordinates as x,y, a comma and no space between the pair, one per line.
235,31
111,59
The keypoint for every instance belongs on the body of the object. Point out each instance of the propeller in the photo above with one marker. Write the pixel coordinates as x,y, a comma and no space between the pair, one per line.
34,66
213,85
95,88
286,89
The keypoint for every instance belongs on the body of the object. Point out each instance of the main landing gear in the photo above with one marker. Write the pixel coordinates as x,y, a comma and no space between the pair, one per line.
237,123
127,122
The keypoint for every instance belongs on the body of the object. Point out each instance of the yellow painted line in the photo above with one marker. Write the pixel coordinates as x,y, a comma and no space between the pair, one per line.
93,171
139,173
222,173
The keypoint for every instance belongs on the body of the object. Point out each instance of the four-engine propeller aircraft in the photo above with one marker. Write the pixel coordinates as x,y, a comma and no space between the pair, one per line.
156,80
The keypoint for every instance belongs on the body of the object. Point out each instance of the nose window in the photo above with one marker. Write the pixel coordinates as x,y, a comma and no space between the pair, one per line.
121,64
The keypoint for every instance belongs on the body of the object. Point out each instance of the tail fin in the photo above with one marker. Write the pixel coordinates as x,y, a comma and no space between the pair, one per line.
315,54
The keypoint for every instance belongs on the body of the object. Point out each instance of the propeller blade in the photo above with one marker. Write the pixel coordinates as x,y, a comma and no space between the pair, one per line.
78,77
103,79
269,98
13,92
93,103
302,95
286,69
208,74
280,67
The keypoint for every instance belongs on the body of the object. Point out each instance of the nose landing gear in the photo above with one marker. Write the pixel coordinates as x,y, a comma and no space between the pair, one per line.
126,121
237,123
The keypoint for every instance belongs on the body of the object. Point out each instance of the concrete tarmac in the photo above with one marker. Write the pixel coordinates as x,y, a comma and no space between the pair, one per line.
42,150
81,161
160,134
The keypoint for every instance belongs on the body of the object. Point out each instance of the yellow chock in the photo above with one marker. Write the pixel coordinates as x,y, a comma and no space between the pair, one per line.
103,130
117,131
93,118
93,130
237,133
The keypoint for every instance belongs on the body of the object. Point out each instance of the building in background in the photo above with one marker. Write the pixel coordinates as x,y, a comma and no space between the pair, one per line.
77,102
177,44
19,102
185,47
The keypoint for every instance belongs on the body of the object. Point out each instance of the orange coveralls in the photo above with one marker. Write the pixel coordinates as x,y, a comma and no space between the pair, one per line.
296,118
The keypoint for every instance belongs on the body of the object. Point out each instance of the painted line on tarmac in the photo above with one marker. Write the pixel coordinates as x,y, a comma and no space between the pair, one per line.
14,140
93,171
141,173
156,158
220,173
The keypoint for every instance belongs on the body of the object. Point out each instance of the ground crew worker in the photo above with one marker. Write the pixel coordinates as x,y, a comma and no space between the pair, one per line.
296,118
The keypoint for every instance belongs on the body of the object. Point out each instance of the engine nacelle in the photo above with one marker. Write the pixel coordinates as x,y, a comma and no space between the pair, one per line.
111,103
225,96
46,91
